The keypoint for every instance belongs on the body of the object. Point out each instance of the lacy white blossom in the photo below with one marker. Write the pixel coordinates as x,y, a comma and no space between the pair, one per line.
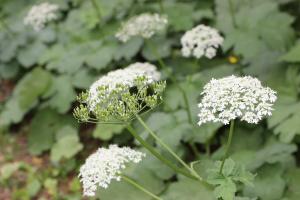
201,41
234,97
124,77
41,14
105,165
144,25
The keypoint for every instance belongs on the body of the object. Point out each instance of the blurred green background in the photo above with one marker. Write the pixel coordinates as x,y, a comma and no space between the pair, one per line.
42,145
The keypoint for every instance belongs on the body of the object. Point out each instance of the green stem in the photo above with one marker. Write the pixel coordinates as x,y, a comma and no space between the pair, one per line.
135,184
231,9
156,154
97,9
227,145
167,147
173,79
161,6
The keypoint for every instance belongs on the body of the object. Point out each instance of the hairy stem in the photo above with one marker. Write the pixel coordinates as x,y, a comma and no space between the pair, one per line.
165,146
135,184
174,80
228,144
156,154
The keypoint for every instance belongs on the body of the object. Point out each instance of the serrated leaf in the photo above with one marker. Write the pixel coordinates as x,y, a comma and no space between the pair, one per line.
293,55
268,184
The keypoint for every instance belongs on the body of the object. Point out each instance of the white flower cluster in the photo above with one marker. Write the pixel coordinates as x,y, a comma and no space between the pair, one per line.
105,165
124,77
201,41
235,97
40,14
144,25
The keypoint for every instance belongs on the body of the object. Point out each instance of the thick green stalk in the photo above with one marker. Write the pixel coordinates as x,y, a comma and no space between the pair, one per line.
158,155
173,79
135,184
164,145
227,145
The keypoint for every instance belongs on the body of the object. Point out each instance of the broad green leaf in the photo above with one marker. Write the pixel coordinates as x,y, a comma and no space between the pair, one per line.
62,94
25,95
129,49
268,184
29,55
189,190
43,128
106,131
66,136
8,169
293,55
293,181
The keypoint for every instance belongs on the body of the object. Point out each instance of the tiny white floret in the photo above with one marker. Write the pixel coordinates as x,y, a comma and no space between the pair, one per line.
144,25
234,97
106,165
201,41
41,14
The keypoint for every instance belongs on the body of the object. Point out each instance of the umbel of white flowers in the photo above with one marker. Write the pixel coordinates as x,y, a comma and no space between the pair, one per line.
41,14
121,94
106,165
234,97
201,41
144,25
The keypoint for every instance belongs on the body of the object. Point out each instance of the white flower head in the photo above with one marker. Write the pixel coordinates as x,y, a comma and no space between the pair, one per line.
201,41
144,25
41,14
124,77
234,97
106,165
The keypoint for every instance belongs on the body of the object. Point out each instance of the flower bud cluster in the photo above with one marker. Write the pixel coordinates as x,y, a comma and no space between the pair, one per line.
121,94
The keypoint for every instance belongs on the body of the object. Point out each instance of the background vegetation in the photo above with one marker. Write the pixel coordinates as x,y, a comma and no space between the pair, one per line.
42,145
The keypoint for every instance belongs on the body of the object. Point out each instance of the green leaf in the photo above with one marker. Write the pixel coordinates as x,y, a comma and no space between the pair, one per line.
178,21
29,55
106,131
285,120
25,95
8,169
43,127
268,184
66,136
293,55
293,180
225,183
62,94
156,48
188,189
129,49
